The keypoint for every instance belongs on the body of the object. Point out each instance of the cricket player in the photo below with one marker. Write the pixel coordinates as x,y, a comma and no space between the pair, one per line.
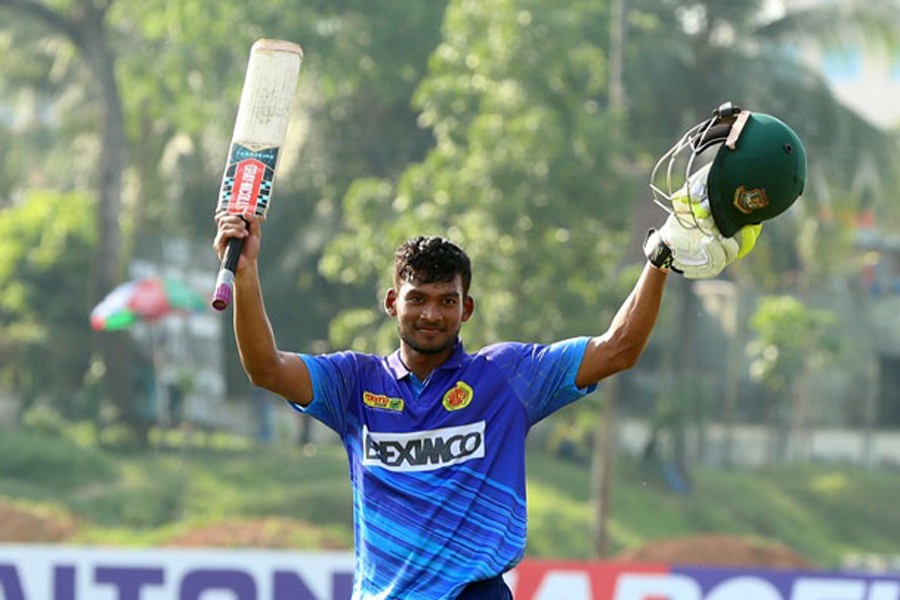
435,434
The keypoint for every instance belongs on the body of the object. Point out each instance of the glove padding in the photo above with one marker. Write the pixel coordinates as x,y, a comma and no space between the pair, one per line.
697,253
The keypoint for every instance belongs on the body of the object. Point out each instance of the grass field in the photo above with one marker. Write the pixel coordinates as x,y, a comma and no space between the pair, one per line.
301,499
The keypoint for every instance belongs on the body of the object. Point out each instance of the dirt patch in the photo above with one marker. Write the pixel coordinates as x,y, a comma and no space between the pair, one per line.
719,550
259,533
26,524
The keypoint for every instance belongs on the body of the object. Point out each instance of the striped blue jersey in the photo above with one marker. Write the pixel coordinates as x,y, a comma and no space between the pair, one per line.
438,467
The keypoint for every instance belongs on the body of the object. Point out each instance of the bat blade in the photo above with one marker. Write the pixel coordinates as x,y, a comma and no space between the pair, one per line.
259,132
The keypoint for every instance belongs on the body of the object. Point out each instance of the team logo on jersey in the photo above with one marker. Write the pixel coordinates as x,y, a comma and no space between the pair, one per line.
383,402
458,397
423,450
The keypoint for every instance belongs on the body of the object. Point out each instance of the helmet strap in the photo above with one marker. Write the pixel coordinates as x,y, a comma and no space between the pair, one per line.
736,129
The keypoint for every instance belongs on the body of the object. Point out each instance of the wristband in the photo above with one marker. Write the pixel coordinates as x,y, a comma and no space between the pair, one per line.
657,252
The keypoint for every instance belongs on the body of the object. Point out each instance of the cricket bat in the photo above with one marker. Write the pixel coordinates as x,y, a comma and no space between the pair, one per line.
259,133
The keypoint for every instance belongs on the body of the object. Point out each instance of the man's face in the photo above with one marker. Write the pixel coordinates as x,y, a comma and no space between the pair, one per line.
429,315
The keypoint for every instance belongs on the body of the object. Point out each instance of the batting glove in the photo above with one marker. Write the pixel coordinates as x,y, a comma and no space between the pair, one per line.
696,253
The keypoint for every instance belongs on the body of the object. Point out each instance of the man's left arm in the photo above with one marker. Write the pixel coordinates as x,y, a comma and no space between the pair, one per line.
621,345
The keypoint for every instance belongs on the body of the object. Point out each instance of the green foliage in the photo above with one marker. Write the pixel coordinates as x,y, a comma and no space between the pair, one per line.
790,336
484,121
44,421
571,433
138,501
45,278
520,175
51,463
688,402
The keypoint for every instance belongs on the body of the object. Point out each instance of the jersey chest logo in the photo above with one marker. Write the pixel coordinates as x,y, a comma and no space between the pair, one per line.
423,450
383,402
458,397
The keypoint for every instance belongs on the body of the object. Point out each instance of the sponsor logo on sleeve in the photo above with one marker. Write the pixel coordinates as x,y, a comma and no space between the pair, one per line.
383,402
423,450
459,396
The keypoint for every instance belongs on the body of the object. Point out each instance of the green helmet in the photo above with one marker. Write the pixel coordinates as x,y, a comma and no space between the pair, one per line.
758,178
757,173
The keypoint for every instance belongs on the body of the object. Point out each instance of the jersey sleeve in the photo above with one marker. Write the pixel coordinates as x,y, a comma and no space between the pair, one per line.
543,376
333,380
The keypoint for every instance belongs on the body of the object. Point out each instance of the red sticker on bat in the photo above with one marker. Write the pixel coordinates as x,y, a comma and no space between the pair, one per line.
248,176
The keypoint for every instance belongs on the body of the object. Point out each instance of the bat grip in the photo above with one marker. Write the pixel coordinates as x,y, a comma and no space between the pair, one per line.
225,281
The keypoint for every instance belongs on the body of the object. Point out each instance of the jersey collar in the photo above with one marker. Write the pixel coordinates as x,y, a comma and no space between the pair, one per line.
395,363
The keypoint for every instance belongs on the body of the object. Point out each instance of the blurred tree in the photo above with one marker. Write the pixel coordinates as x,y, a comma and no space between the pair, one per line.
78,29
519,176
353,119
791,340
48,241
181,64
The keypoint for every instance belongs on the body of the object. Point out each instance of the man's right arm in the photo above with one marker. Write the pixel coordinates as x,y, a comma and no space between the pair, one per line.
283,373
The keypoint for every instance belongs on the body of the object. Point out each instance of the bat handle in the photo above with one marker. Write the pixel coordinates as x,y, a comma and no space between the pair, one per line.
225,281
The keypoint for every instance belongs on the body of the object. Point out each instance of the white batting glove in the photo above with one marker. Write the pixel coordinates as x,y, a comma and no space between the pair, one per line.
697,253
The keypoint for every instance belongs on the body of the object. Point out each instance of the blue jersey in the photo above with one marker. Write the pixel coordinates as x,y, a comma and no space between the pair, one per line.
438,467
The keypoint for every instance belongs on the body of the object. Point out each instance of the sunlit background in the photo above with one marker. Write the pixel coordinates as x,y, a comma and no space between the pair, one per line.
766,408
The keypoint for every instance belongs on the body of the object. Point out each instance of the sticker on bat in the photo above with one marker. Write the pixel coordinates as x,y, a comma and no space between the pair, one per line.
248,180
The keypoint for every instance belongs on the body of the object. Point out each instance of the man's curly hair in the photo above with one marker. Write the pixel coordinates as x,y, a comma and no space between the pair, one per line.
428,259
